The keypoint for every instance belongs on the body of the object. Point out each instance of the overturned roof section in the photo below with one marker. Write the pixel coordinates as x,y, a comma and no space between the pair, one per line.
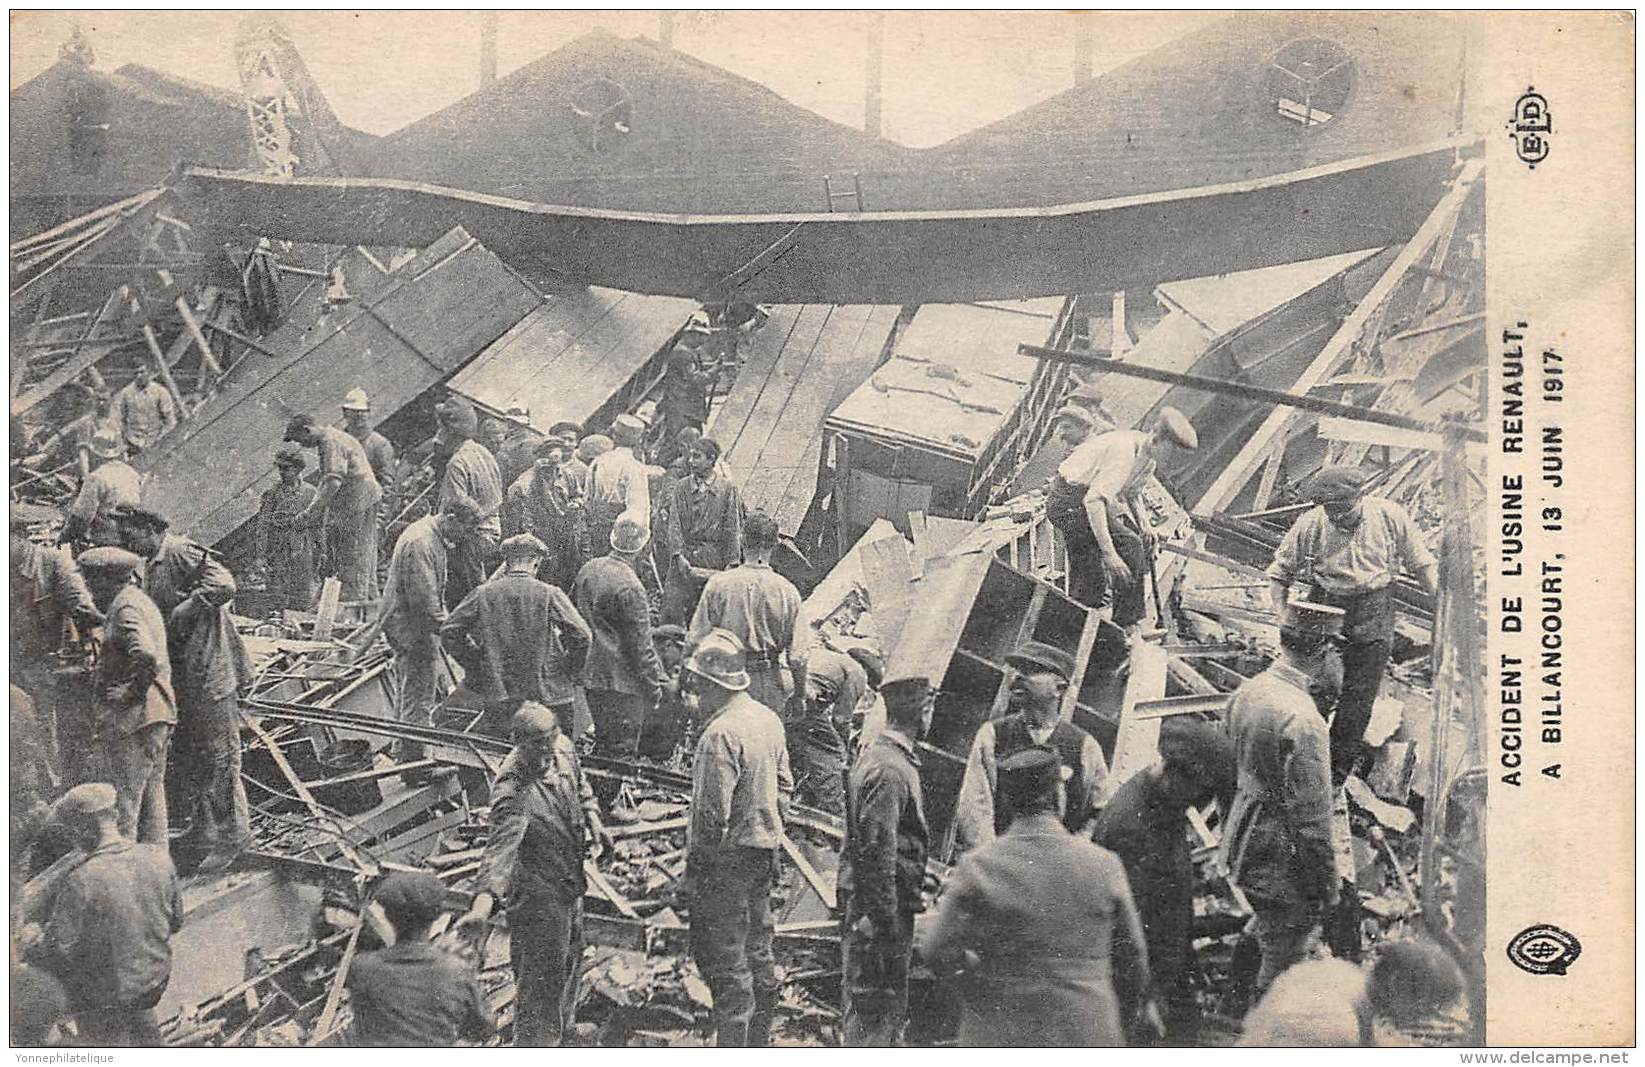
402,333
628,124
568,358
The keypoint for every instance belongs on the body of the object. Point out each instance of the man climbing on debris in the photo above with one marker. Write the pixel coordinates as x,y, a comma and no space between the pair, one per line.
286,552
1276,840
762,608
112,484
545,503
1095,499
145,410
1347,552
618,480
1046,965
705,527
1145,824
413,994
348,501
622,678
740,784
136,711
108,938
70,444
543,816
882,869
1042,674
835,684
380,453
686,387
519,639
413,611
209,667
471,476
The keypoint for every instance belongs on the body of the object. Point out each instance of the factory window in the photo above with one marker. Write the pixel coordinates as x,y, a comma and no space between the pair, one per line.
1310,81
602,115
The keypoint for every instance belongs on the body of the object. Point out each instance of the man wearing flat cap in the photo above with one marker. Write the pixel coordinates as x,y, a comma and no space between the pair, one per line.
108,938
347,504
1346,552
518,448
112,484
1276,840
287,552
1145,824
622,678
519,639
545,502
136,710
543,816
618,480
1041,674
1095,500
1043,923
471,475
414,994
882,868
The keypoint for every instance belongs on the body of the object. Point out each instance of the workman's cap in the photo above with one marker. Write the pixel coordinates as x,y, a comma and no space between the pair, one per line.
1307,617
1200,750
300,425
1336,484
568,430
140,518
1036,657
630,532
108,562
412,898
523,546
356,400
104,445
627,429
1028,775
550,446
719,657
465,511
289,455
518,416
903,693
83,800
594,446
457,415
533,720
668,632
872,663
1178,428
1074,414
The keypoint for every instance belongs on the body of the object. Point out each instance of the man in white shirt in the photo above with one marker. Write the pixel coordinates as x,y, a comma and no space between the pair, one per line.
618,480
145,410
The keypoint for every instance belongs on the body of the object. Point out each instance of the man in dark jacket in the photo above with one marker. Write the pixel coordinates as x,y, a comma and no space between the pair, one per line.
623,678
413,994
286,551
705,527
471,476
109,936
209,666
519,639
1145,824
882,868
545,503
542,816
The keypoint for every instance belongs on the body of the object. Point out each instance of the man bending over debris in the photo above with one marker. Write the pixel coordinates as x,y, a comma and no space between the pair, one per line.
1350,548
740,784
882,869
1276,841
413,994
348,499
1043,673
542,816
111,486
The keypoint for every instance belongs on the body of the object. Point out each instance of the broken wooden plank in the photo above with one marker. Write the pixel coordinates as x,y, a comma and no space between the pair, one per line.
608,891
812,878
1351,431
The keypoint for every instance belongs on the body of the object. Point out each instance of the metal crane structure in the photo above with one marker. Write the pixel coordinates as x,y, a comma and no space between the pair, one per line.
293,128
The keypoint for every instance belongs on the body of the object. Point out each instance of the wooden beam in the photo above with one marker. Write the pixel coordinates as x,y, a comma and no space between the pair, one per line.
1369,435
88,357
815,880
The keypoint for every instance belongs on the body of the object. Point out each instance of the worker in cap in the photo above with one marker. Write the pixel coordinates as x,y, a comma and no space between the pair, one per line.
1145,824
740,781
817,742
882,868
414,994
1046,966
519,639
618,480
107,936
144,409
1088,398
1073,425
622,679
1095,500
286,552
136,707
543,818
345,506
1281,854
687,385
544,501
518,448
357,420
1041,675
869,718
1348,551
111,485
471,475
704,532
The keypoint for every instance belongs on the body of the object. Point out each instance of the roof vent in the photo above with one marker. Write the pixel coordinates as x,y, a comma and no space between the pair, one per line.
1310,80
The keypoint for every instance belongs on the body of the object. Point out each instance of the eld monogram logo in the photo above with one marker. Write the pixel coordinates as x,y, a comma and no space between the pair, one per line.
1530,127
1544,949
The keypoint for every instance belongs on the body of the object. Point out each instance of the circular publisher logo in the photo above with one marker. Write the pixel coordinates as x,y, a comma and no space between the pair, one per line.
1544,949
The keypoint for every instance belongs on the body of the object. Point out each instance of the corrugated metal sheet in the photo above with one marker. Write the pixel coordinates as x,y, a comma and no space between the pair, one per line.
402,333
567,358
